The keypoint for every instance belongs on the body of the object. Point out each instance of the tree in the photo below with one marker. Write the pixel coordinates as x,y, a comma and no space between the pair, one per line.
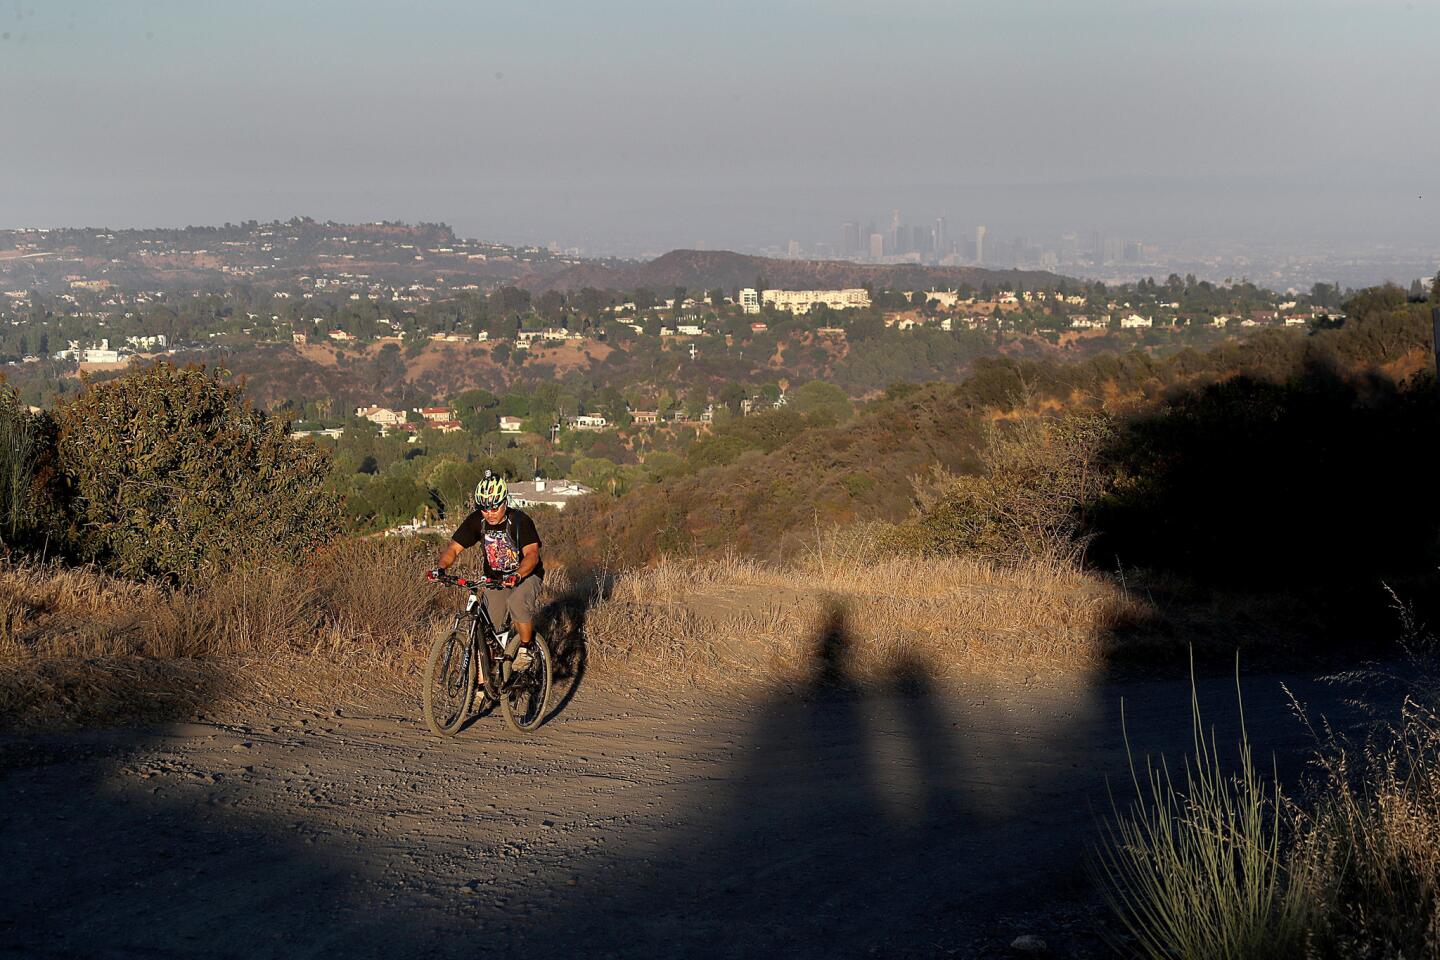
730,396
510,299
551,306
819,397
453,483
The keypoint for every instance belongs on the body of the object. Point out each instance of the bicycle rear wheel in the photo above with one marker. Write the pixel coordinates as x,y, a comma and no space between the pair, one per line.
450,676
526,699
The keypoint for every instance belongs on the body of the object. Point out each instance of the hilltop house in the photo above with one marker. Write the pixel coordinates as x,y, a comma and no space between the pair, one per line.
382,417
510,424
546,493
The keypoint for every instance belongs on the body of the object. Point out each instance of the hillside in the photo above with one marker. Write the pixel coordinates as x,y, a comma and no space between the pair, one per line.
1229,465
705,269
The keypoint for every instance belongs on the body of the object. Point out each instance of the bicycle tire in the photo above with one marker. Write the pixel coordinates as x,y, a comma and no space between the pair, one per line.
447,657
533,685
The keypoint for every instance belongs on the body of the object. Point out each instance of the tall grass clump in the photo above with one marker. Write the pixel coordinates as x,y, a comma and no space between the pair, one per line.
1197,865
18,454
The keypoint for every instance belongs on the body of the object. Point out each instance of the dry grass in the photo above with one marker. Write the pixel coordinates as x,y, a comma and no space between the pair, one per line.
1227,866
77,644
955,615
1370,852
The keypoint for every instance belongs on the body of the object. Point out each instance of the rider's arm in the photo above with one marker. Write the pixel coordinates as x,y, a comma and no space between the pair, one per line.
529,560
448,555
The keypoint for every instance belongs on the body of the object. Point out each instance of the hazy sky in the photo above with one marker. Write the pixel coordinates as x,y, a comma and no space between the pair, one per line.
629,124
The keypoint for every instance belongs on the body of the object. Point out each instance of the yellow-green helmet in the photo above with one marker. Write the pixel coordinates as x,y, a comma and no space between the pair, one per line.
491,492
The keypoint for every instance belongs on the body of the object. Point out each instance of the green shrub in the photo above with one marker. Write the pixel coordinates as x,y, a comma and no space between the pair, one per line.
169,472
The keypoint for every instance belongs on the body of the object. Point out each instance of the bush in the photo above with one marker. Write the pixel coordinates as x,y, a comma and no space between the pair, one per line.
1039,477
169,472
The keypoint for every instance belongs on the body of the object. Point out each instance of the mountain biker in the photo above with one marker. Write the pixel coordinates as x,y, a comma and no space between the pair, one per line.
511,548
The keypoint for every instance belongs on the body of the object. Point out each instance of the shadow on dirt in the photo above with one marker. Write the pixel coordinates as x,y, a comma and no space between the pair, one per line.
562,623
848,819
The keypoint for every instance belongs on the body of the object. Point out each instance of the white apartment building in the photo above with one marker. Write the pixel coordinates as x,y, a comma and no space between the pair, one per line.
1135,321
100,353
750,300
802,301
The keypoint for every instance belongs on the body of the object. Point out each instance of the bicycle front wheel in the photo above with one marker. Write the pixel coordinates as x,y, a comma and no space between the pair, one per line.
527,697
450,676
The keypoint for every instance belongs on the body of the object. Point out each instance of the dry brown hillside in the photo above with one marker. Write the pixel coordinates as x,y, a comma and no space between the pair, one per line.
371,373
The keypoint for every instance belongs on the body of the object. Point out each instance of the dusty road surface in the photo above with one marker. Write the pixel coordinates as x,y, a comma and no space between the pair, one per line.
819,823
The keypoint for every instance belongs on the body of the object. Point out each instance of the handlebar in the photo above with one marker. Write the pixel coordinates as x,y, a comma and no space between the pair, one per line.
484,583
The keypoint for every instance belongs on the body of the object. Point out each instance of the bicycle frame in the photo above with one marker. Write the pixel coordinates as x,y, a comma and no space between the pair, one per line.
485,641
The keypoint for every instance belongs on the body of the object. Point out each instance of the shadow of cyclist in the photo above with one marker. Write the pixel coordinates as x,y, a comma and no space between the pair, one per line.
562,623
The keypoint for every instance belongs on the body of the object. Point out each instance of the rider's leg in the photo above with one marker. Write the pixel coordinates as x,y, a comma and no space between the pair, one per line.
495,605
524,605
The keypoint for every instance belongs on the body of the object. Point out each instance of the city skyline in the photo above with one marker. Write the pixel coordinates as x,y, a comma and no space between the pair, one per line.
651,127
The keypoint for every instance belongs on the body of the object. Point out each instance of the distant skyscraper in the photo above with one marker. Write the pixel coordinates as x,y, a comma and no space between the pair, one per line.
895,232
850,239
942,242
877,246
794,250
980,244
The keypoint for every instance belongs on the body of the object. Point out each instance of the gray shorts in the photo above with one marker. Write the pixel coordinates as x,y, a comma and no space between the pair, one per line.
521,600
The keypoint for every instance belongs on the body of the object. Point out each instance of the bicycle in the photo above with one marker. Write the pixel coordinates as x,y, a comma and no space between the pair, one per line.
473,656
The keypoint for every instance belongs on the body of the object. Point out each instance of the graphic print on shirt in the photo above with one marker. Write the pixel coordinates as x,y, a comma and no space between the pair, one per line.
501,555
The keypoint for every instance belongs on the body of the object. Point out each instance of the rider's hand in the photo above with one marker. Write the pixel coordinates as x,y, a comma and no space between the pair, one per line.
434,575
510,581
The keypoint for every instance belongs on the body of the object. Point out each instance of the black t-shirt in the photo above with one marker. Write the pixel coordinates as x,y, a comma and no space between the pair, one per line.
504,543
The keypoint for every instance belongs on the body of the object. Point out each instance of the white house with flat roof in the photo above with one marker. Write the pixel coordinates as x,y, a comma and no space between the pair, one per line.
546,493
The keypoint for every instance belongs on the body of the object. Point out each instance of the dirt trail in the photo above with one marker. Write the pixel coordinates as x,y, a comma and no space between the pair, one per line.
909,822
